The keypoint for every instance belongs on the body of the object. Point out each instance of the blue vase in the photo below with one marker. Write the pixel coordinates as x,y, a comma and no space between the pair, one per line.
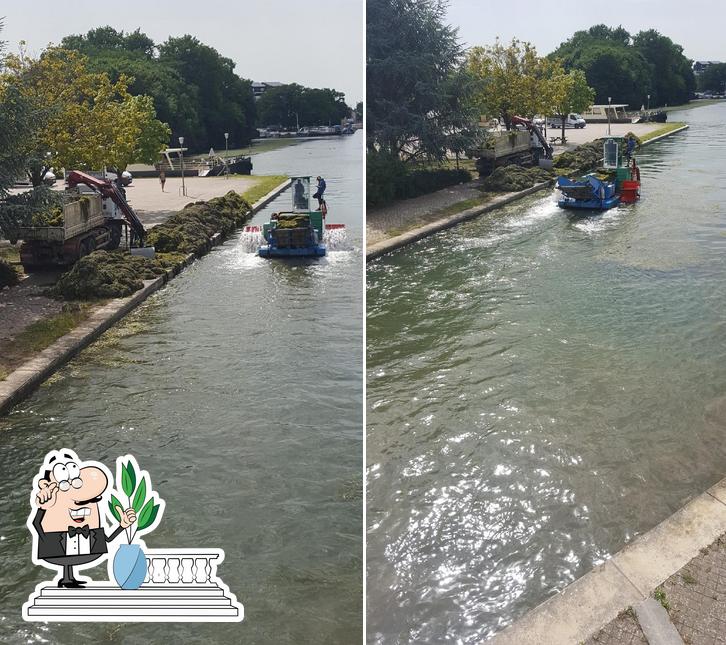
129,566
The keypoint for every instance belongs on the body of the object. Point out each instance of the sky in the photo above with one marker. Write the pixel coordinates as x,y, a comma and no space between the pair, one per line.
317,43
699,26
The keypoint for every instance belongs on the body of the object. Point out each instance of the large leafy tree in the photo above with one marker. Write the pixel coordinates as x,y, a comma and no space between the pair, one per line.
713,78
613,68
16,124
569,93
289,105
225,102
512,80
195,90
629,68
416,93
82,117
672,79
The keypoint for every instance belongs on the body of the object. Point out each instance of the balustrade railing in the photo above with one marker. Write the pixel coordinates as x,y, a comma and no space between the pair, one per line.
181,566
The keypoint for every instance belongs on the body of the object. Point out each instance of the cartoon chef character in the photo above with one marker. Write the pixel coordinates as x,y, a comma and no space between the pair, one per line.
68,524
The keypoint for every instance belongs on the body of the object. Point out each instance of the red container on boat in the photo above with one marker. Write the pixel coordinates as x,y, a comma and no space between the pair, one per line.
629,191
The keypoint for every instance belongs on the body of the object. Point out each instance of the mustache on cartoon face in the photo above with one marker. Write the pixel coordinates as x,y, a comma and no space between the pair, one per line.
94,500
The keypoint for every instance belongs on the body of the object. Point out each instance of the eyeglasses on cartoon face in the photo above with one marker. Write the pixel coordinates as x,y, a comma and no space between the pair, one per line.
67,475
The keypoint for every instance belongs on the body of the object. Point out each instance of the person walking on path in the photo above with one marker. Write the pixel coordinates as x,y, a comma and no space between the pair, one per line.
319,193
162,179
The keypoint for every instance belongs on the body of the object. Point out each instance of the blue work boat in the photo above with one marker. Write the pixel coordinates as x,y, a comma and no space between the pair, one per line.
296,233
588,192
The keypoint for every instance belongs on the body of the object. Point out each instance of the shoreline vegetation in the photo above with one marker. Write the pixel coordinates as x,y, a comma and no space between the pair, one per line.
101,275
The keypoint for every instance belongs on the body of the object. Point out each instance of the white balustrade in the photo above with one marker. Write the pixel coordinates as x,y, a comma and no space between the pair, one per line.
181,566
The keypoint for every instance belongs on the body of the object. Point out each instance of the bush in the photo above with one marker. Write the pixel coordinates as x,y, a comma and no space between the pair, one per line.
388,179
8,275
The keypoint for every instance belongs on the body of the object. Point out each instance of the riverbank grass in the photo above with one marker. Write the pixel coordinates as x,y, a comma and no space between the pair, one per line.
41,334
262,187
667,127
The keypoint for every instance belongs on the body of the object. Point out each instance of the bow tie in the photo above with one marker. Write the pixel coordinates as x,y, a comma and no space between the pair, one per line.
75,530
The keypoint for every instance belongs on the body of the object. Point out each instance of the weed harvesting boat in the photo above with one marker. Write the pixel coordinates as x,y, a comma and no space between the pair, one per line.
300,232
617,182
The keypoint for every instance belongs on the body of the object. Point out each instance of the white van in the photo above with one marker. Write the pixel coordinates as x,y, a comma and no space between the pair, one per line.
572,120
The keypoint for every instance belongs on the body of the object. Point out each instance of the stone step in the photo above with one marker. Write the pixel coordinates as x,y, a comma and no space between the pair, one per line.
145,591
134,601
82,611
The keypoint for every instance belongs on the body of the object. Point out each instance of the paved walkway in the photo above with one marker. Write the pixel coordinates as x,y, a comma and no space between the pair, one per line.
153,207
400,216
695,601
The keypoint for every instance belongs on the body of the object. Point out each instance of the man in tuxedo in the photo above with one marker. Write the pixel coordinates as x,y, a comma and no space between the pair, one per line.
68,522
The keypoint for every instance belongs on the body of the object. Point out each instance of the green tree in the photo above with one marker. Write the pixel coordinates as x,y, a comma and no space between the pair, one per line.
83,120
16,125
195,90
569,93
713,79
512,80
292,105
672,79
416,105
224,100
613,68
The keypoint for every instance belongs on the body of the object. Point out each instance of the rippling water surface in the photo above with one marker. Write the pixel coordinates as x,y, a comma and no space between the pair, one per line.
540,391
239,388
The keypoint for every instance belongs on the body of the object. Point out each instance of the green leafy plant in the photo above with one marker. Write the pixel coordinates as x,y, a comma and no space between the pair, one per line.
140,497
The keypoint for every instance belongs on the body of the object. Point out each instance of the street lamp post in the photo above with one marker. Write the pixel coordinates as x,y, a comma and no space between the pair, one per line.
181,155
648,102
226,154
610,98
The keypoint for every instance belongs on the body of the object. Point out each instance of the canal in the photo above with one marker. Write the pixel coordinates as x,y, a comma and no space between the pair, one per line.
239,388
541,390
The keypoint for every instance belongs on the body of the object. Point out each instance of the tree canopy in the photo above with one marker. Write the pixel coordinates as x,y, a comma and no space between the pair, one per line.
628,68
16,122
713,78
289,105
512,80
417,92
81,118
194,89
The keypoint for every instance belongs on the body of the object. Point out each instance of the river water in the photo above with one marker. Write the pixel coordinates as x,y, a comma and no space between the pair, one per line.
541,390
239,388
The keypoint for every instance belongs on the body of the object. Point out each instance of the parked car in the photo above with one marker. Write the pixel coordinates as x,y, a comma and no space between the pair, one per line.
572,120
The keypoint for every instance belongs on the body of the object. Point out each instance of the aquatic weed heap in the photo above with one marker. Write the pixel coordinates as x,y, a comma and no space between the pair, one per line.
107,274
509,179
584,157
190,230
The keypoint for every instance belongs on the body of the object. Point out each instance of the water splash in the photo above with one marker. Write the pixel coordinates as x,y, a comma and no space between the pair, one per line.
336,239
250,241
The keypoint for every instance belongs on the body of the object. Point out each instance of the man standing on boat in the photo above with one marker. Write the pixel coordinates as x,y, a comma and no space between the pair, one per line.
630,147
319,193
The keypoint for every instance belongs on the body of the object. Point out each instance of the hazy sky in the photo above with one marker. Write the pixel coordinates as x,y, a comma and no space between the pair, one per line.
318,43
699,26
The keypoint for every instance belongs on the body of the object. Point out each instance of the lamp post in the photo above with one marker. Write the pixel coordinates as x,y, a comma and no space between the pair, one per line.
610,98
226,154
181,156
648,102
